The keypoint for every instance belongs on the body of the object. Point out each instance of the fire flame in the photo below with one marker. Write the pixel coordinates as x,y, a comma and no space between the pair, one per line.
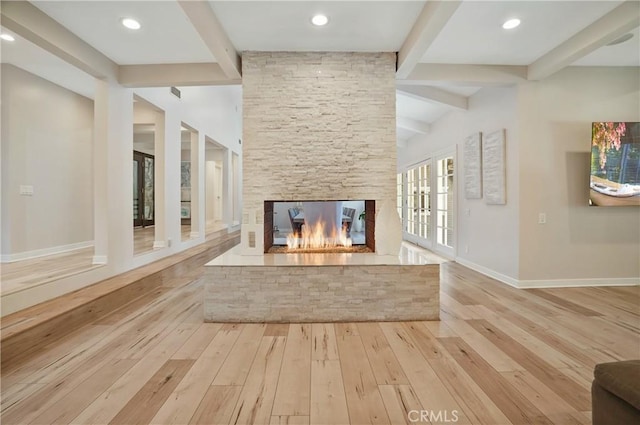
314,237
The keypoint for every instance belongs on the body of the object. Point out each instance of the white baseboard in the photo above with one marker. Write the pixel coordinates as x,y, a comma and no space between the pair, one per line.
27,255
488,272
99,259
549,283
569,283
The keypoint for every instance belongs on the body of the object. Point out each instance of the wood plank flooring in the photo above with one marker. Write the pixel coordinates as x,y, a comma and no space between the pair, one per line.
25,274
499,356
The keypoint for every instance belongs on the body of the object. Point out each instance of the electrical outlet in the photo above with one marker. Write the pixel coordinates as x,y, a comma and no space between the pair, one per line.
542,218
466,249
169,242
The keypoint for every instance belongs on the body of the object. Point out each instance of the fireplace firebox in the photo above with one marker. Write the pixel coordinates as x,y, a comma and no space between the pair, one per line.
319,226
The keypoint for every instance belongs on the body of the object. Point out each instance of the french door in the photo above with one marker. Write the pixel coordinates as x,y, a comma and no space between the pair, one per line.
143,189
418,213
429,201
445,204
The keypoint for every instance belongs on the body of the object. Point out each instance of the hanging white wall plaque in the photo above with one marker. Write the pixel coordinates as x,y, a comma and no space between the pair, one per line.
472,166
494,168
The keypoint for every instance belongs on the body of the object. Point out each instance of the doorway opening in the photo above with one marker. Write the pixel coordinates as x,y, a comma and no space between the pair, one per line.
143,189
215,180
148,176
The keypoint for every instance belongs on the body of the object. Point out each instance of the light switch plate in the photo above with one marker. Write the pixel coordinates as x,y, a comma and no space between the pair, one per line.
26,190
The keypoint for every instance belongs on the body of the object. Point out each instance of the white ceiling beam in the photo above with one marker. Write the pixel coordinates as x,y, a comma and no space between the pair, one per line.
611,26
179,74
434,16
435,95
208,26
465,75
412,125
32,24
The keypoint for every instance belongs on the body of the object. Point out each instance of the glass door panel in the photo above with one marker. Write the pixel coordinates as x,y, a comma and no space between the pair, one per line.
444,202
143,189
148,190
137,218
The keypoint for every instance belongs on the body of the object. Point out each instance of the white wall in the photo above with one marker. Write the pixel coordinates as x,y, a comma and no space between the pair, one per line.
47,136
215,112
548,142
112,178
489,231
578,241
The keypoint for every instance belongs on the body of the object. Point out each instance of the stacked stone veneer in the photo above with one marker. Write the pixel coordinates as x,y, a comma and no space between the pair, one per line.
321,293
317,126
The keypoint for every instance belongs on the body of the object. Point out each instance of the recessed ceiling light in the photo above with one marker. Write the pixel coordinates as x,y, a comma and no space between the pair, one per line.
319,20
511,24
131,23
7,37
621,40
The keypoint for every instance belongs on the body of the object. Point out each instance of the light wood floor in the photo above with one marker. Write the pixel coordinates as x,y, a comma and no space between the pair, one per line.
143,237
21,275
24,274
27,273
499,356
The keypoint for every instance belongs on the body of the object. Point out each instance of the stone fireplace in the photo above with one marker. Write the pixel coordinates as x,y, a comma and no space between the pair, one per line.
319,126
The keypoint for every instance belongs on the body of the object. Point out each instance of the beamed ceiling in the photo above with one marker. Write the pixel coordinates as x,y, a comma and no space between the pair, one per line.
447,50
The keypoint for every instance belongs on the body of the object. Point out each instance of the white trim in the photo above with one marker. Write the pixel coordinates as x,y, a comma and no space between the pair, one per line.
194,235
488,272
551,283
27,255
158,244
99,259
570,283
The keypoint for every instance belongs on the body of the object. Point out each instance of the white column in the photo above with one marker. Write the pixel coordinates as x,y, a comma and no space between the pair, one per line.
120,176
197,181
227,188
113,175
100,173
159,186
171,163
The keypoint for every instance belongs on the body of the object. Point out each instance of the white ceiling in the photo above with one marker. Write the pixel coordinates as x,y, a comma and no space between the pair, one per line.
166,36
403,134
354,26
473,35
625,54
33,59
410,107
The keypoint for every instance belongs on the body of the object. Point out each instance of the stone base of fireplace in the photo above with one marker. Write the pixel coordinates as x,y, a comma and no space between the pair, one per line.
291,288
